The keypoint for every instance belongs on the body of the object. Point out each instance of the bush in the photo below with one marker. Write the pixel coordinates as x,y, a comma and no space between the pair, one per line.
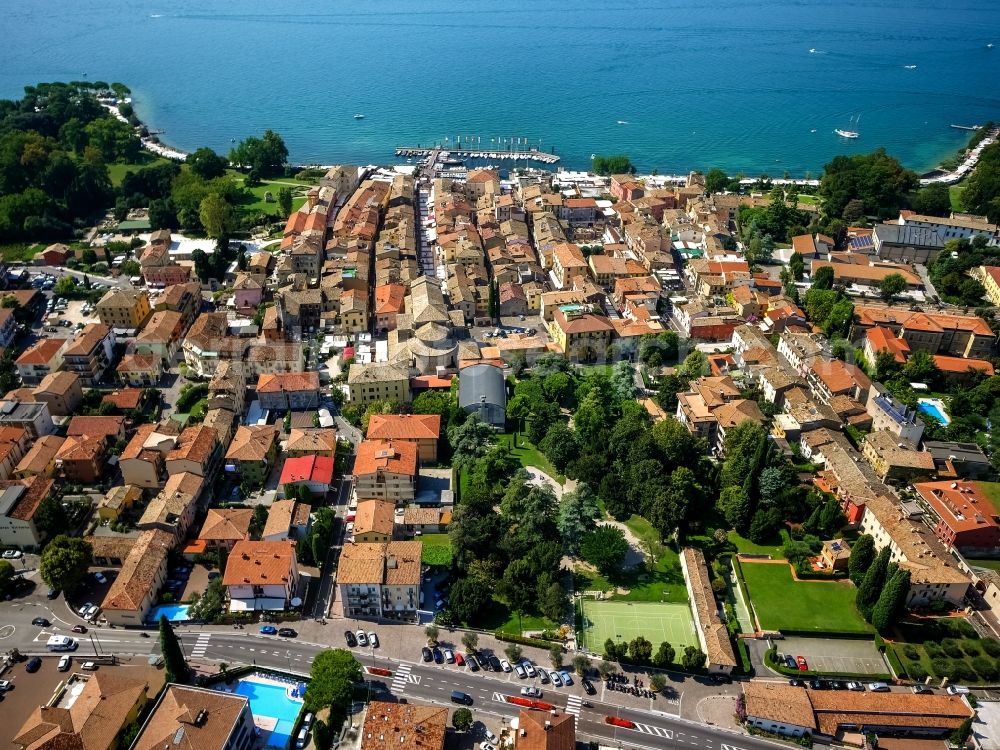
952,648
962,670
991,646
985,668
934,650
915,671
971,648
910,651
524,641
941,667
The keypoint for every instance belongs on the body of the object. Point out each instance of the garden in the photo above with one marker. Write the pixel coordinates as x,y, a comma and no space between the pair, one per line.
945,647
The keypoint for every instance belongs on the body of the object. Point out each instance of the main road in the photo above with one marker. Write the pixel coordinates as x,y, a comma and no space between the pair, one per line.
656,728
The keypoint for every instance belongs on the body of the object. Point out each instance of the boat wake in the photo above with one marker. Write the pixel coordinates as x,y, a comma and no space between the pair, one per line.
814,51
623,122
910,67
156,15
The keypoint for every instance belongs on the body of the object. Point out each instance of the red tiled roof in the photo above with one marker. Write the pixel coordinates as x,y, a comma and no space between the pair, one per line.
404,426
307,469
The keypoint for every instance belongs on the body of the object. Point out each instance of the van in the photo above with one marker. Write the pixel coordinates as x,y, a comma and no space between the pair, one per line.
61,643
878,687
457,696
307,722
303,739
957,690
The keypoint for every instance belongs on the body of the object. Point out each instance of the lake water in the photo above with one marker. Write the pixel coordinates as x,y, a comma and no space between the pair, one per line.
695,83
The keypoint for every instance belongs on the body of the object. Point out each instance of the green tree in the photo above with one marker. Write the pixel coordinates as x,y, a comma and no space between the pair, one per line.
64,562
258,521
616,164
261,156
716,181
933,200
581,664
462,719
664,656
513,652
6,575
892,601
876,179
578,514
960,735
693,659
872,583
470,441
551,598
640,650
216,216
210,605
431,631
173,657
470,639
465,600
891,287
921,368
657,682
285,200
331,681
65,285
823,278
796,265
605,548
206,163
556,656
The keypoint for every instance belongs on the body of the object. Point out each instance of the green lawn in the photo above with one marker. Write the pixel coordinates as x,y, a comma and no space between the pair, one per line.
745,546
992,492
436,549
117,171
782,603
498,616
809,199
955,193
259,204
20,252
976,562
529,455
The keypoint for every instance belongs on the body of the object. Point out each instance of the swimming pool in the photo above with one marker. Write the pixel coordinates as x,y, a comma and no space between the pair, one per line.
269,700
174,613
934,407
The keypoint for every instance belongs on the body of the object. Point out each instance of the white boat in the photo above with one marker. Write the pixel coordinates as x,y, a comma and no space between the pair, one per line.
846,133
623,122
910,67
359,117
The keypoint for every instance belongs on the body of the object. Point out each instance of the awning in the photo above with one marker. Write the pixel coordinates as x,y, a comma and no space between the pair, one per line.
250,605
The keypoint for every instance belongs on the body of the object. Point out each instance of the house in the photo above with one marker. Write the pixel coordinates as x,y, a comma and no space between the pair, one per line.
19,503
424,430
227,389
389,304
173,509
512,300
367,383
126,399
293,391
878,340
374,521
286,519
404,726
140,370
226,722
308,441
828,378
91,712
134,590
545,730
54,255
159,269
196,451
386,469
208,342
888,413
8,326
252,453
14,444
313,472
109,429
963,371
184,299
81,459
248,291
118,500
41,358
380,580
261,576
143,460
966,519
161,336
720,658
32,416
482,391
954,460
224,527
40,458
124,308
896,459
935,333
90,353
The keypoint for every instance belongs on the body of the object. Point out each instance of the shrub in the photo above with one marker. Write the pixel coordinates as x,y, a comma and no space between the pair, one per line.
934,650
915,671
991,646
985,668
941,667
910,651
962,670
951,647
971,648
524,641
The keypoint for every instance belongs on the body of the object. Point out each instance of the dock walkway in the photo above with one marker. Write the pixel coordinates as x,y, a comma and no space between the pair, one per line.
463,153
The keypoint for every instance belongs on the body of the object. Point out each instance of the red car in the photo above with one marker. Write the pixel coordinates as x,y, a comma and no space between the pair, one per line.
79,628
458,659
802,663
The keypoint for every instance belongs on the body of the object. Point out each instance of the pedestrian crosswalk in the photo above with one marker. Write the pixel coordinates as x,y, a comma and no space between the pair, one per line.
658,731
573,704
201,645
401,678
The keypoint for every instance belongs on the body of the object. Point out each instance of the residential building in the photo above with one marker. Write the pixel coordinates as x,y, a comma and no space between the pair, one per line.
90,353
183,298
380,580
582,335
963,371
14,444
404,726
372,382
935,333
957,226
386,469
954,460
424,430
888,413
295,391
54,255
896,459
878,340
143,460
41,358
19,502
117,500
224,527
374,521
161,336
140,370
248,291
8,326
828,378
835,554
123,307
32,416
143,572
966,518
109,429
81,459
545,730
261,576
208,342
312,441
196,451
40,460
195,718
252,453
313,472
173,509
712,633
483,392
286,519
390,302
228,387
425,520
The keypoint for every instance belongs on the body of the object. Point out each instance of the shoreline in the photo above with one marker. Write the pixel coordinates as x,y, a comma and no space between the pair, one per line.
927,177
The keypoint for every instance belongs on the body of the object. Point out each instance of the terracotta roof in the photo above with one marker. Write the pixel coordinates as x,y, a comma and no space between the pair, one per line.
416,515
312,440
139,571
259,563
545,730
41,353
375,516
870,316
404,726
307,469
840,376
279,517
288,382
390,298
371,562
172,724
207,330
194,444
38,488
404,427
252,443
87,340
781,703
59,382
81,448
137,363
883,340
125,398
41,453
398,457
224,524
717,643
104,427
948,364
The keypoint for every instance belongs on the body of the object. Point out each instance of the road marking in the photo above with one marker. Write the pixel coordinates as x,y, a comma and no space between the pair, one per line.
201,645
660,732
499,697
573,704
730,747
414,678
400,679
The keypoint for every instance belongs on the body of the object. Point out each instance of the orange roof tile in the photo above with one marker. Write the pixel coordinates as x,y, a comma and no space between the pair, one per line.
404,426
259,563
397,457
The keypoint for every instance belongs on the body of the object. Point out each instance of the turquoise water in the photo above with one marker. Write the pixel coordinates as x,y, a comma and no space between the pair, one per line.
699,83
933,410
271,701
174,613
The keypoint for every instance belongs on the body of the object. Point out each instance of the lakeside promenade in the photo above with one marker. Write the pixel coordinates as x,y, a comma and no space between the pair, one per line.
967,165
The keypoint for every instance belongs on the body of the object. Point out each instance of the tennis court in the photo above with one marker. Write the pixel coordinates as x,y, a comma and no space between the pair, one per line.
623,621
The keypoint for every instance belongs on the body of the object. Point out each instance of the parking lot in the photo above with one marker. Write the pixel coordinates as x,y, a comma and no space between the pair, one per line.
836,655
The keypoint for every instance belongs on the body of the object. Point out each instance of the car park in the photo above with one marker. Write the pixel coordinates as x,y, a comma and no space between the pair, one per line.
425,654
362,637
40,622
556,679
268,630
566,677
878,687
505,665
519,671
287,632
529,668
351,640
33,665
64,663
372,639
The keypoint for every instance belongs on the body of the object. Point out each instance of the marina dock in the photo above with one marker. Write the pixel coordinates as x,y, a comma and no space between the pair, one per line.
463,153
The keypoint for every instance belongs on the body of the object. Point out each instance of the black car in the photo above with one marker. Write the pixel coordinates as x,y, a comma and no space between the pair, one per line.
52,593
40,622
837,685
33,665
351,640
722,679
817,684
426,654
587,687
495,663
438,656
470,660
796,683
287,632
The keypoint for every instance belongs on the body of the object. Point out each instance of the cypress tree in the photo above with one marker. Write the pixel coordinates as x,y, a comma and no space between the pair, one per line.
862,556
871,585
173,656
891,601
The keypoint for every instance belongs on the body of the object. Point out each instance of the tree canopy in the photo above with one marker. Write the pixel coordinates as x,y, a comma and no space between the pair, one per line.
615,164
331,681
877,179
64,562
264,156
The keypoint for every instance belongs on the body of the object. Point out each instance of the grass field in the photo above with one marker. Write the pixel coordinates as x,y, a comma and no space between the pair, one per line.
20,252
117,171
955,194
529,455
992,492
749,548
436,549
782,603
623,621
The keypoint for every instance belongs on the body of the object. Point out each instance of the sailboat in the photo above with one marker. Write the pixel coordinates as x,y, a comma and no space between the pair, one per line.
849,133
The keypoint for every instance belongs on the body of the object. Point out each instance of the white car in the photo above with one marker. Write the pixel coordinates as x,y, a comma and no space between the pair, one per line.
487,746
449,656
12,554
505,665
556,679
490,736
64,661
5,685
531,692
529,668
92,612
519,671
362,638
83,610
100,577
373,639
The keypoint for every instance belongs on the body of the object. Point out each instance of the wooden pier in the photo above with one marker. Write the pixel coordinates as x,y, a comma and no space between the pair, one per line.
444,155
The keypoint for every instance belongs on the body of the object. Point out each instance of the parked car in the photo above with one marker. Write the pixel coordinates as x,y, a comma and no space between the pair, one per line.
495,664
100,578
438,656
459,659
33,665
505,665
790,662
556,679
362,638
40,622
487,746
543,676
801,660
529,668
796,683
566,676
52,594
817,684
268,630
89,666
531,692
351,640
373,639
91,612
5,685
957,690
490,737
519,671
878,687
83,610
471,661
855,686
12,554
922,689
79,628
64,661
425,654
287,632
449,656
588,688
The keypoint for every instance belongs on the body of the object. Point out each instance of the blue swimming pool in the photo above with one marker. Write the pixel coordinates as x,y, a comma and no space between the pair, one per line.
272,701
933,409
174,613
